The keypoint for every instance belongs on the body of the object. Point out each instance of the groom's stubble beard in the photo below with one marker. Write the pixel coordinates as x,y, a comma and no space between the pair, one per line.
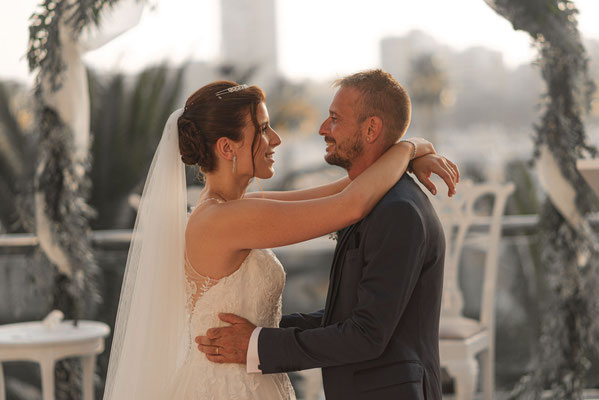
346,154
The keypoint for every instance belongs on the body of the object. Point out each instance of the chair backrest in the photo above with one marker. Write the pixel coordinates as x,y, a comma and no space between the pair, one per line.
479,206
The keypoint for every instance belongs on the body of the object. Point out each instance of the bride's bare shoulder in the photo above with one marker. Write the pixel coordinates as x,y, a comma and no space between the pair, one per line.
206,245
202,218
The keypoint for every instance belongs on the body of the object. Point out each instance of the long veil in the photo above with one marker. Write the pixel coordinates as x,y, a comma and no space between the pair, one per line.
151,332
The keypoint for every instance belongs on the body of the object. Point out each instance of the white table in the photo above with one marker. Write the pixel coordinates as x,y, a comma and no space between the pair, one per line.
32,341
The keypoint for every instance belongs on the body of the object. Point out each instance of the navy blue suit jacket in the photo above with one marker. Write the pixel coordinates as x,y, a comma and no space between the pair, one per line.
378,336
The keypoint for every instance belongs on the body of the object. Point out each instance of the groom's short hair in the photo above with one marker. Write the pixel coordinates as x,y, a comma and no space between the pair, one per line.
382,96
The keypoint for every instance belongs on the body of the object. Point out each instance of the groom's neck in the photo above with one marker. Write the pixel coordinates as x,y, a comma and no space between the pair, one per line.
365,160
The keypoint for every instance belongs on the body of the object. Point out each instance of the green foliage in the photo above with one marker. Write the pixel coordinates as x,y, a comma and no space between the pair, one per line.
44,48
127,119
17,152
288,107
427,81
64,186
61,181
568,331
526,198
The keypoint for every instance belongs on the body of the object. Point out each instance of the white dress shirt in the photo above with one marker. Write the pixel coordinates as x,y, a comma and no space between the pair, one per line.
253,359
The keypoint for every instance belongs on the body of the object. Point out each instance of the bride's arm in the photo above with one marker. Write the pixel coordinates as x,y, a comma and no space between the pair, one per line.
317,192
263,223
422,167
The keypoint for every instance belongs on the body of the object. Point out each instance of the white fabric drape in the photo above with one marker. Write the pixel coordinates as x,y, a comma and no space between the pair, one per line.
558,188
71,102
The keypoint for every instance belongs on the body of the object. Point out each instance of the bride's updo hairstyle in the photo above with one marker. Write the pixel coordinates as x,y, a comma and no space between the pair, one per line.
208,117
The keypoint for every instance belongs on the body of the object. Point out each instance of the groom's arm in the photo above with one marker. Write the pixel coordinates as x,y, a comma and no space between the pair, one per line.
297,320
301,320
394,252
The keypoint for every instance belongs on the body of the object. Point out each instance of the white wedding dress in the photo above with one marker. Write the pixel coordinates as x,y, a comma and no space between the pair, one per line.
254,292
161,310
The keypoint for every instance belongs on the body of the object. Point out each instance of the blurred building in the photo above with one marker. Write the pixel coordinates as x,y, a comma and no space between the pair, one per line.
397,52
249,40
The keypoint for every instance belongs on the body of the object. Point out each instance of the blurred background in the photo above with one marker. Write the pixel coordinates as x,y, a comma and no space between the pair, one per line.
476,95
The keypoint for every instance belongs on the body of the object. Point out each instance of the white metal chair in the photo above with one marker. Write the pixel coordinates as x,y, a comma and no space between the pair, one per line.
461,338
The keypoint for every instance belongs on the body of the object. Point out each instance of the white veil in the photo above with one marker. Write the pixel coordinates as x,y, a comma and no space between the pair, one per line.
151,334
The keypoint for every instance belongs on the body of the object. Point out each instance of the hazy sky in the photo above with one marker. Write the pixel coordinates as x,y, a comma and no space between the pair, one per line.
317,39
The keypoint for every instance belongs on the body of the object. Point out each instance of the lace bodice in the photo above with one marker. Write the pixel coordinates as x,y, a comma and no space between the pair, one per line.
254,291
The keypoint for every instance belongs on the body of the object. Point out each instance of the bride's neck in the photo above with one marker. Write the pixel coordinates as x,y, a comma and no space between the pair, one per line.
226,186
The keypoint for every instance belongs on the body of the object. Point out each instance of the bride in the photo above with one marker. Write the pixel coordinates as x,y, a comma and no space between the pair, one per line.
183,270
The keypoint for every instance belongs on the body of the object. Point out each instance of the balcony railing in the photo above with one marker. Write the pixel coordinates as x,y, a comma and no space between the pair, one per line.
512,225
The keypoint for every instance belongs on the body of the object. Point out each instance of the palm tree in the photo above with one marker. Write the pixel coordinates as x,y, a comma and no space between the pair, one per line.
127,119
427,83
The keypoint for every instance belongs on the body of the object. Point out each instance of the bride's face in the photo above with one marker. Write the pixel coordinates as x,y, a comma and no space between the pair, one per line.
263,146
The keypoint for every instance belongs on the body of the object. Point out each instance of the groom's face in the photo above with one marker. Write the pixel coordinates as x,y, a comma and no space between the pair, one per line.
342,130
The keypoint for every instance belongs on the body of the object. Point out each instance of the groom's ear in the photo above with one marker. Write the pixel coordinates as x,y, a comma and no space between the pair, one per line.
374,128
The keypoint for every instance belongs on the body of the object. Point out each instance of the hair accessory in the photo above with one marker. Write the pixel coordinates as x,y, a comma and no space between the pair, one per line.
232,89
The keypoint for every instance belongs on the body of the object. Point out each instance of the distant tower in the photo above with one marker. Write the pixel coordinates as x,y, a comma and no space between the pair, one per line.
397,52
412,60
249,40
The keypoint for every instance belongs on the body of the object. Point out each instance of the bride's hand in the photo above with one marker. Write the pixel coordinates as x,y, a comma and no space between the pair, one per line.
423,146
424,166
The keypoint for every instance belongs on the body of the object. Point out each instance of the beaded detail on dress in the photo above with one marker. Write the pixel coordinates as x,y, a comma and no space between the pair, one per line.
197,284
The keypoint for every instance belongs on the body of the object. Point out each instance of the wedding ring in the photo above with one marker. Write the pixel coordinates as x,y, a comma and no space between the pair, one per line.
217,351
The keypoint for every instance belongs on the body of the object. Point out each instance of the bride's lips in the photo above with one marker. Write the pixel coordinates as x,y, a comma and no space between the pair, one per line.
269,156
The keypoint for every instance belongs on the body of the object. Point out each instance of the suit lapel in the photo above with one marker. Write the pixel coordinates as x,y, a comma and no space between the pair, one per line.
336,270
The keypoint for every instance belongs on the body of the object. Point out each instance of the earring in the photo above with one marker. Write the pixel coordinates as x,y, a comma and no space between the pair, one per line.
234,162
368,139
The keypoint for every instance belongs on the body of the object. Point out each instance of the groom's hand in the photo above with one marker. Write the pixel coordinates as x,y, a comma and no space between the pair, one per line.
228,344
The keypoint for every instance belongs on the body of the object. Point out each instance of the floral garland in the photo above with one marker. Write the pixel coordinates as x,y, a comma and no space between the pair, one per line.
43,53
66,188
569,330
62,180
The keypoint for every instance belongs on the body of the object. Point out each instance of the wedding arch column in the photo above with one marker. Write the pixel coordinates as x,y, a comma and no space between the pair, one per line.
570,253
61,32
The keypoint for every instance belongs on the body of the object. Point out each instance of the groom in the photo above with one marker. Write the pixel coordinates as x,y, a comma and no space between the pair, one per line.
377,337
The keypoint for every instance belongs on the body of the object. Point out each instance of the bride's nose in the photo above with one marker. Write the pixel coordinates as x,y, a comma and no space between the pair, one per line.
274,139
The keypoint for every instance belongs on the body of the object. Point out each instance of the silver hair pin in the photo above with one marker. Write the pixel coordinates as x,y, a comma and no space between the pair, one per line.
237,88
